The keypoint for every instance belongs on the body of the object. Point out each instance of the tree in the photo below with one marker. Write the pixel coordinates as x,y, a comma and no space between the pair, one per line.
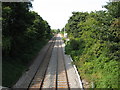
20,25
113,8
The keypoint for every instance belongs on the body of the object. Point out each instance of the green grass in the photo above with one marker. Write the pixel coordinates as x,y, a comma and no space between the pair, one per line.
14,67
11,72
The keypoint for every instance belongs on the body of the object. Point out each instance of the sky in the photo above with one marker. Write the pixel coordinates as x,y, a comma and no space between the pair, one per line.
58,12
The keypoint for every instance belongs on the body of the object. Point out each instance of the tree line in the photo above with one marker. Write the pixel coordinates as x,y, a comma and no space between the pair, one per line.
24,32
95,45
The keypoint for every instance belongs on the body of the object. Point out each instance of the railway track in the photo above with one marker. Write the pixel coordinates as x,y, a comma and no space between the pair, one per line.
51,73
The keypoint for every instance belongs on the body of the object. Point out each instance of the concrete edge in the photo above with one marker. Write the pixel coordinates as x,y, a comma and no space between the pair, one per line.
79,78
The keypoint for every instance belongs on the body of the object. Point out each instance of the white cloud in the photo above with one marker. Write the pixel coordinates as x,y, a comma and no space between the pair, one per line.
57,12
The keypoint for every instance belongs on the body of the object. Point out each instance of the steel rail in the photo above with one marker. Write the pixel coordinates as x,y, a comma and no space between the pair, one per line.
47,67
64,64
51,45
57,66
60,62
59,82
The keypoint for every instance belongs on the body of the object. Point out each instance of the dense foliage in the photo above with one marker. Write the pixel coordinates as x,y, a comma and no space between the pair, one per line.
95,45
24,33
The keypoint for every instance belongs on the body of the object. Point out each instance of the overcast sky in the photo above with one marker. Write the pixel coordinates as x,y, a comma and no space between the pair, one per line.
57,12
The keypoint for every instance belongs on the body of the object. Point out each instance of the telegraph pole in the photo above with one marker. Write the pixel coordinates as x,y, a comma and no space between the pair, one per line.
64,31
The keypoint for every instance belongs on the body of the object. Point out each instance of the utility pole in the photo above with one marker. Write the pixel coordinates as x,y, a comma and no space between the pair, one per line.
64,31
